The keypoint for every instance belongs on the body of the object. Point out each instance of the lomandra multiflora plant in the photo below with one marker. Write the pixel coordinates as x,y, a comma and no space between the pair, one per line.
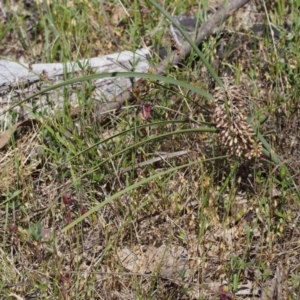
236,135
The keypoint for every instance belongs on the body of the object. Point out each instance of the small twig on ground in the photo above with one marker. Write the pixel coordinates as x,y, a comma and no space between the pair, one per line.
160,157
204,31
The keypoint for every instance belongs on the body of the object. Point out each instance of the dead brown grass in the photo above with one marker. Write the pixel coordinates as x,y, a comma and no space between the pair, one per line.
203,232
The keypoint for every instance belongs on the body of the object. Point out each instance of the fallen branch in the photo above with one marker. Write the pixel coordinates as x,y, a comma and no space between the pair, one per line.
203,32
19,81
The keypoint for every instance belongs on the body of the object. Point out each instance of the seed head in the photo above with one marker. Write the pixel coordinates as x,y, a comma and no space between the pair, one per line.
236,135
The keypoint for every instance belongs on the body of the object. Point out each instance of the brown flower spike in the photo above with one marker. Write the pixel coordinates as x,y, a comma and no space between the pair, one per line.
236,136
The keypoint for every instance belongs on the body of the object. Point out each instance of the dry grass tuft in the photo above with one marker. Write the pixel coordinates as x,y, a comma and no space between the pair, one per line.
207,231
20,162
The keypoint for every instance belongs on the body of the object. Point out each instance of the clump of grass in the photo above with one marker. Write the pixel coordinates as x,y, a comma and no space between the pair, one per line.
67,211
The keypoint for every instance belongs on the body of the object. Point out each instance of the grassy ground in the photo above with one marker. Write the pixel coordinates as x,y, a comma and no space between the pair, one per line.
201,224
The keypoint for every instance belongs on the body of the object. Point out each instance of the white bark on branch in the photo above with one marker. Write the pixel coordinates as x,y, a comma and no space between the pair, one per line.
18,81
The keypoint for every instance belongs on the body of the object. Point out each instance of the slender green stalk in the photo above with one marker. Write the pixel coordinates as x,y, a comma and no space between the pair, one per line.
150,139
132,187
190,41
115,75
136,128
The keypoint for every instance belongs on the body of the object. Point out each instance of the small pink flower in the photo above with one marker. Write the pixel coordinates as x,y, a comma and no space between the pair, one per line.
67,200
224,294
83,211
13,228
145,112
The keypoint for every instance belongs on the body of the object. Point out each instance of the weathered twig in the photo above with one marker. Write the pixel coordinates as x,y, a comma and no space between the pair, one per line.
204,31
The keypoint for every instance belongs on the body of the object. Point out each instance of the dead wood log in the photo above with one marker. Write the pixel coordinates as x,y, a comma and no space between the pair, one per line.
18,81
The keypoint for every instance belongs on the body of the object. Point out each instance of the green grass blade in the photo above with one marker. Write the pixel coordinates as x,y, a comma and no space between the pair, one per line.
190,41
132,187
117,75
152,138
135,128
